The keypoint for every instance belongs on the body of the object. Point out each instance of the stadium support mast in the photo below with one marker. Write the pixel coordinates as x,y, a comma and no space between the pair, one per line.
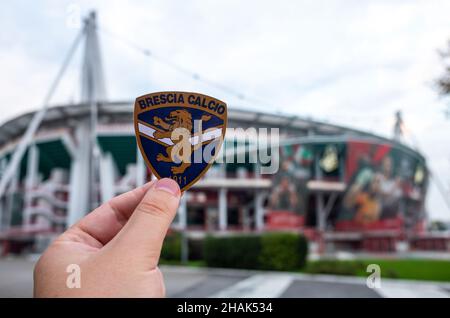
92,92
92,80
84,178
84,172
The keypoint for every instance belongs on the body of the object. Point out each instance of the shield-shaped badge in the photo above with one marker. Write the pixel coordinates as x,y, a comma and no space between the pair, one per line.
179,133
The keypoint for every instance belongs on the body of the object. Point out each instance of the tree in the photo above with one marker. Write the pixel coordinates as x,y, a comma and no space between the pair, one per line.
443,83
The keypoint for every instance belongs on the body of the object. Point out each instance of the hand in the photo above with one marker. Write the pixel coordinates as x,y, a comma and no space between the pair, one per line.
116,247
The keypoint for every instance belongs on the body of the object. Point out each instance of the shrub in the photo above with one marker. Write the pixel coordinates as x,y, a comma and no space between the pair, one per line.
232,252
283,251
171,249
195,249
273,251
302,250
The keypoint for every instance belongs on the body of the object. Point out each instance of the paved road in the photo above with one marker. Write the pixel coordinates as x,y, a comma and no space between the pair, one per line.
16,281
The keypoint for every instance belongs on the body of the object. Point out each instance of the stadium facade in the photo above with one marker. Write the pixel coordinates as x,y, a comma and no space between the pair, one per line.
343,187
346,189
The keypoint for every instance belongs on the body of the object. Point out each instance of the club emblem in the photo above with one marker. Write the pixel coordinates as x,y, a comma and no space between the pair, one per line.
179,133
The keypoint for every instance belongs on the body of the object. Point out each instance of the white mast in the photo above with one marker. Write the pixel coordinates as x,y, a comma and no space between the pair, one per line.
85,163
84,168
92,92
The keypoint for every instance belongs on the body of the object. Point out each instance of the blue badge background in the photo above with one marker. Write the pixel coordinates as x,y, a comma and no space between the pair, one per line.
152,149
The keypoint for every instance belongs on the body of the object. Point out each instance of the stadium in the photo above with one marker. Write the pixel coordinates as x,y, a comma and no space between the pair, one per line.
345,189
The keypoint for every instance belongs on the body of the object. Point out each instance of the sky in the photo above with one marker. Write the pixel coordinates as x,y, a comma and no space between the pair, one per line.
352,62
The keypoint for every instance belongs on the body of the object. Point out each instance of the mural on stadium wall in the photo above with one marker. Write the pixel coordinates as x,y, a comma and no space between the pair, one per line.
386,186
288,198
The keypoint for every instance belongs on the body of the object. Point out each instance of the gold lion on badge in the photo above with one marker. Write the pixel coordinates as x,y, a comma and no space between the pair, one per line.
176,119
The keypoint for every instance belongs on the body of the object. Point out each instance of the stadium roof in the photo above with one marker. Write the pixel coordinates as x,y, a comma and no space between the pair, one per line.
68,116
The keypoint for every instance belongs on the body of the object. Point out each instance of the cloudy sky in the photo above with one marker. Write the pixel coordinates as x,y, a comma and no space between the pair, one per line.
348,62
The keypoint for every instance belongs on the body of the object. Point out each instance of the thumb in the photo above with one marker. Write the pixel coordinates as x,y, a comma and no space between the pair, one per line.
141,239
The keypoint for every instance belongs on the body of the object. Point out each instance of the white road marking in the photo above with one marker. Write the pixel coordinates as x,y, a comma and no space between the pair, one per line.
420,290
274,285
257,286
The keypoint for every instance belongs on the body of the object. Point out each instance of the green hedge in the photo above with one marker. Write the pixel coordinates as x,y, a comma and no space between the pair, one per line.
171,249
232,252
283,251
270,251
195,249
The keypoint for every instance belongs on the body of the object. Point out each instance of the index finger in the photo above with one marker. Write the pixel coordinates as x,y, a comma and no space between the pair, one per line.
101,225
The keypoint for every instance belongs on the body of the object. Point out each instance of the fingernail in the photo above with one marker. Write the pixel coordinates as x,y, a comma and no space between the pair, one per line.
168,185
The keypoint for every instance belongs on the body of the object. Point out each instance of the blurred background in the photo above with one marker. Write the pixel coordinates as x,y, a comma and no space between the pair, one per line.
358,90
